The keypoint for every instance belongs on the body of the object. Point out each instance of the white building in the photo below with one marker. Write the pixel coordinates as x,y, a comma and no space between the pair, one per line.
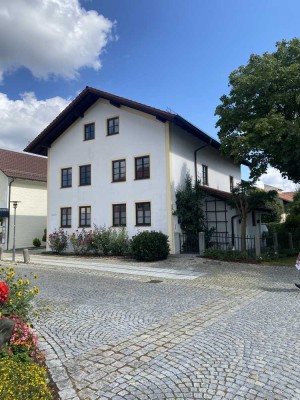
23,179
116,162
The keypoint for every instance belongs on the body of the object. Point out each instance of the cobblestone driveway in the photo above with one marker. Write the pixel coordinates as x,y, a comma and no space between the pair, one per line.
233,333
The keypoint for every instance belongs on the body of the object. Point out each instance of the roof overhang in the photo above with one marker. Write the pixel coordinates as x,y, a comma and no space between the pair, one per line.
86,99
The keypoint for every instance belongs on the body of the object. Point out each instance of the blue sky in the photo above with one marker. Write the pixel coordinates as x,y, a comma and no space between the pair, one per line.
173,54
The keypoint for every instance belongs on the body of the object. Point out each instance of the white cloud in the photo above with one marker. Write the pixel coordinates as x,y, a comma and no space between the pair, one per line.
51,37
22,120
274,178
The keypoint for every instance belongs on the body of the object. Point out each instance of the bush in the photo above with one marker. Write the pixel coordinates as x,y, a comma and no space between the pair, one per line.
228,255
58,241
81,241
22,381
120,242
20,294
36,242
150,246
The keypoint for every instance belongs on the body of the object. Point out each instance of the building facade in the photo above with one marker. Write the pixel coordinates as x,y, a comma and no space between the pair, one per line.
115,162
23,179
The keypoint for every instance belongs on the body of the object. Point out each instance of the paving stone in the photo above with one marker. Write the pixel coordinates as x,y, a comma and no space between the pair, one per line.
231,334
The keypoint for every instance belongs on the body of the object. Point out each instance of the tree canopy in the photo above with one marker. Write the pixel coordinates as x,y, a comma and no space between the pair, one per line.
259,120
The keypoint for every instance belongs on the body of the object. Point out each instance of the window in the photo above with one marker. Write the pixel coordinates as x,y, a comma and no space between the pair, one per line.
89,131
113,126
142,167
85,216
143,213
231,183
204,175
85,175
119,170
66,177
65,217
119,214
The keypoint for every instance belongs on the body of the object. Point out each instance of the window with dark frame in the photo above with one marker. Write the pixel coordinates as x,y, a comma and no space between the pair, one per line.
143,214
231,183
112,126
89,131
119,214
142,167
66,177
85,175
84,216
119,171
66,217
204,175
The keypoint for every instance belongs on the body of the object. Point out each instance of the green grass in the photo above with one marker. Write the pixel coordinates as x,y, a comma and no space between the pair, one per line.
282,261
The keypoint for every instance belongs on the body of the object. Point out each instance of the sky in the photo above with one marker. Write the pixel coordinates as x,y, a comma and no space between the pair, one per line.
170,54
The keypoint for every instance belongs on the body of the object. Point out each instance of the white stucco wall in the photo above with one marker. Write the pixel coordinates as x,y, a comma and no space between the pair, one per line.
182,146
140,135
31,217
3,190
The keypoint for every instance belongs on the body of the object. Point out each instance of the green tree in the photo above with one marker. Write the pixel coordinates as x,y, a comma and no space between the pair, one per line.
293,218
259,121
189,207
246,198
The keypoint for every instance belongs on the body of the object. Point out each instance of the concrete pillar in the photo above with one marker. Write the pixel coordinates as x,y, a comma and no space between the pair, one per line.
176,243
257,245
201,243
26,256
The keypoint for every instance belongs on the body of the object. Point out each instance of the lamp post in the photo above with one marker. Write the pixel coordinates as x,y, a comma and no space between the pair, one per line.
15,205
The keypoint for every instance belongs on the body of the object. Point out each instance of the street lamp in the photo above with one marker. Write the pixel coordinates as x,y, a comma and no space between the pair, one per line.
15,205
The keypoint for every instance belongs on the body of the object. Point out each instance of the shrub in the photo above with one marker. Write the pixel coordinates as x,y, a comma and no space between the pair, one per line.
119,242
228,255
81,241
150,246
36,242
58,241
18,303
22,381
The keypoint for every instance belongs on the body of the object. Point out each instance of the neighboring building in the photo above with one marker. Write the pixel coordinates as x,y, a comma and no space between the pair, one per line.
116,162
23,178
285,199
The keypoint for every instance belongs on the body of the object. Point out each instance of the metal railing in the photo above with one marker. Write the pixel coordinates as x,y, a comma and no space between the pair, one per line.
227,241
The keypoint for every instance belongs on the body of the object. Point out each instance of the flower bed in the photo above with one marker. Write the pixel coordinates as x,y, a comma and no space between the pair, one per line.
22,377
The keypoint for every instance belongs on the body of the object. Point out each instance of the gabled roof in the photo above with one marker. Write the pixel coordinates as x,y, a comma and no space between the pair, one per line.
286,196
86,99
24,166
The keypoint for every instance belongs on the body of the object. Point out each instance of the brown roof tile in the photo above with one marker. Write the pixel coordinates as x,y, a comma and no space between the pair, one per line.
286,196
25,166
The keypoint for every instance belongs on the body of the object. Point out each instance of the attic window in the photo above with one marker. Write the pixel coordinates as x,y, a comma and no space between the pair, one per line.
112,126
89,131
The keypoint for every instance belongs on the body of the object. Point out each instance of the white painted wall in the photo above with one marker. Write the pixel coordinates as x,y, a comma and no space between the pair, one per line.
31,217
3,190
140,134
183,145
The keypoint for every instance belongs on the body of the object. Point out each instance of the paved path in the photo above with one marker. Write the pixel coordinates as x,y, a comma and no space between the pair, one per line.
231,333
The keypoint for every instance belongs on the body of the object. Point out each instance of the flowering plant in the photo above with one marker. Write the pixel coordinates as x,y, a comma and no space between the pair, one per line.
58,241
4,292
21,294
23,339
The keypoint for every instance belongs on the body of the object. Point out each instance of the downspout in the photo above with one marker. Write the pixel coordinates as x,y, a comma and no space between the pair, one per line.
8,223
195,157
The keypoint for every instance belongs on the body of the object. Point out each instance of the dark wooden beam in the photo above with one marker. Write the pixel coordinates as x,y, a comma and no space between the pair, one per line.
161,119
114,103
